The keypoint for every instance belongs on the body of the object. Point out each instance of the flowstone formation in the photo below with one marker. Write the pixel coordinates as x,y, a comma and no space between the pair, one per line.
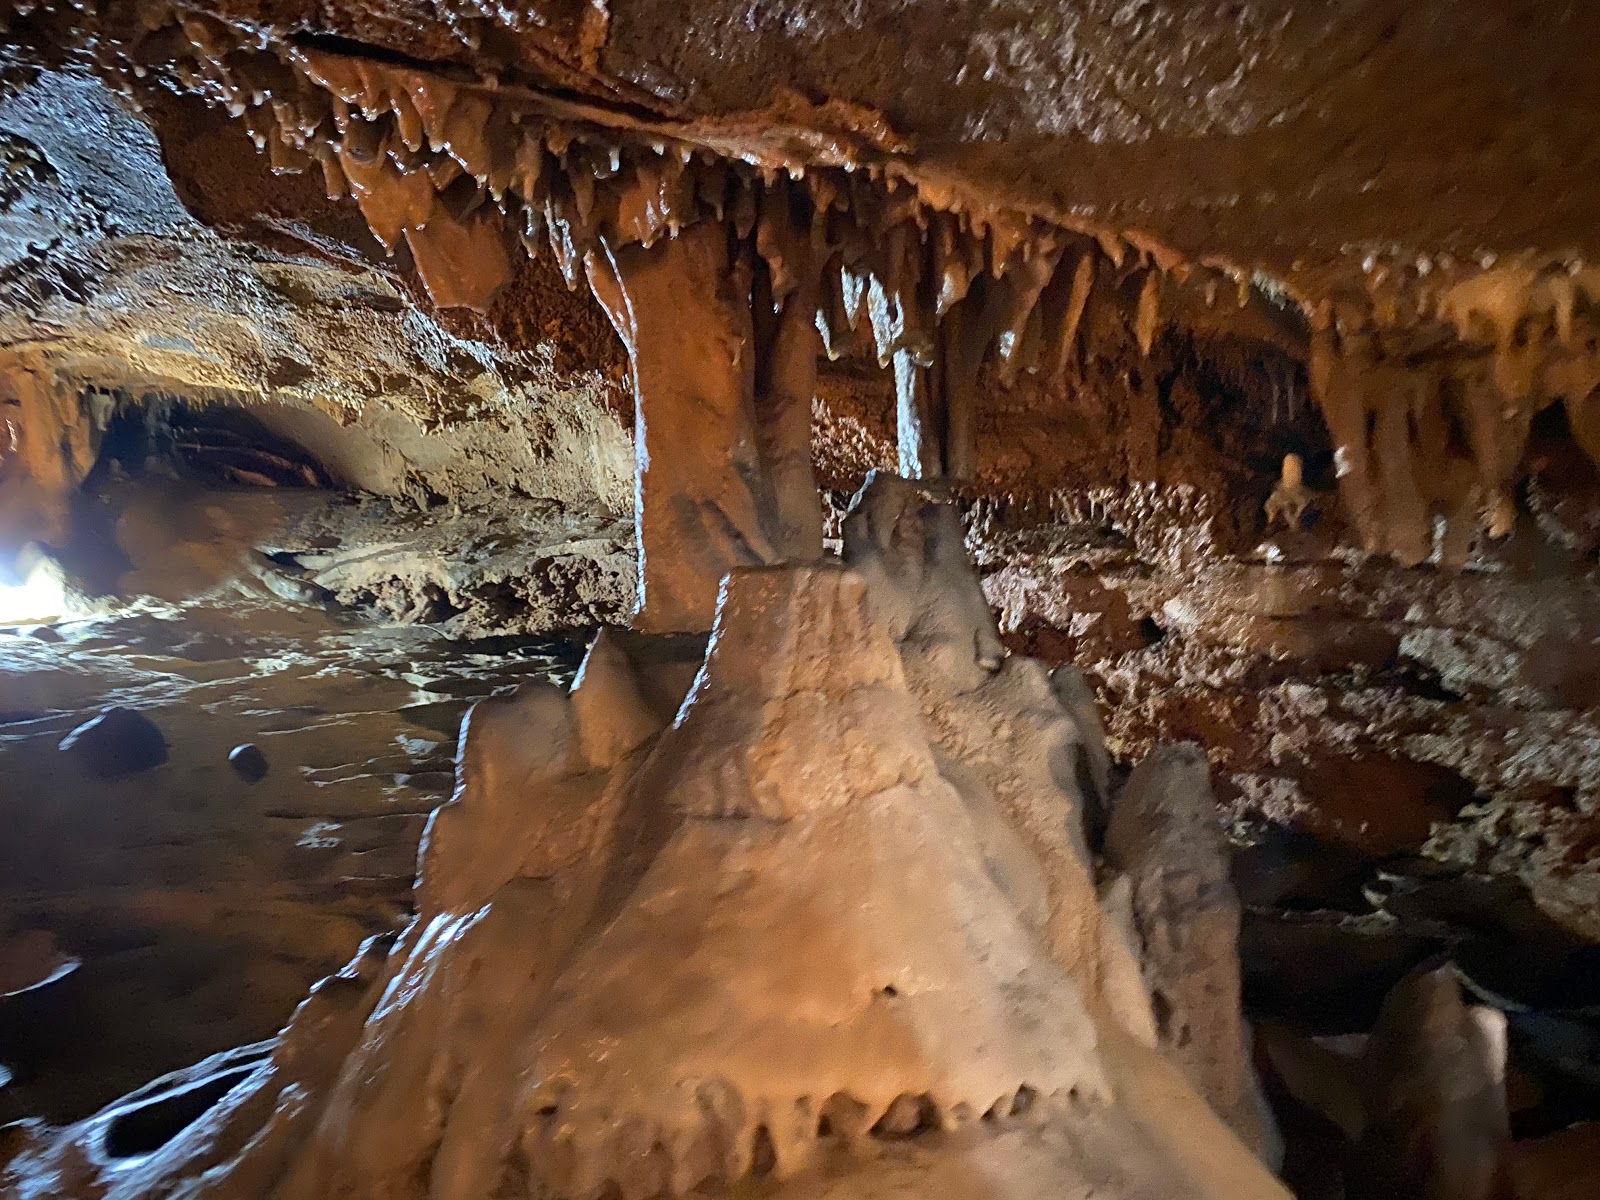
792,933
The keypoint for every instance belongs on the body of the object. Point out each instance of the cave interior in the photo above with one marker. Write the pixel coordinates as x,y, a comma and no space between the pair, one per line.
969,599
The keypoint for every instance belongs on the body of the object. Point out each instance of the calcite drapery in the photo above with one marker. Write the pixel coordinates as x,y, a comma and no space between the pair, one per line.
47,447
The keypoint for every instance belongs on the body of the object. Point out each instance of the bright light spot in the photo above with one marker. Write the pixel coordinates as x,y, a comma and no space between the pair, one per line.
38,599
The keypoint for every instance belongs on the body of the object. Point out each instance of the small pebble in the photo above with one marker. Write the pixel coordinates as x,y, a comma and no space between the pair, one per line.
248,763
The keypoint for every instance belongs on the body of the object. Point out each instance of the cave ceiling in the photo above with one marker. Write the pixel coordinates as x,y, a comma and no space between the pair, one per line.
1402,199
1334,153
1282,138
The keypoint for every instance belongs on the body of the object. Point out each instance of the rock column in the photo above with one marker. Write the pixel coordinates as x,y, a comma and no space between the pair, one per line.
722,423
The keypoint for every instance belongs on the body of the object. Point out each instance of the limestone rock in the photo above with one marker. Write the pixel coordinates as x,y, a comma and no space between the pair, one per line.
1423,1100
724,475
907,543
534,770
861,947
794,665
1164,838
1073,690
1005,738
118,742
1433,1079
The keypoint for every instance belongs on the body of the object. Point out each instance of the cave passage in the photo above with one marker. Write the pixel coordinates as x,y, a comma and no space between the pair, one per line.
604,605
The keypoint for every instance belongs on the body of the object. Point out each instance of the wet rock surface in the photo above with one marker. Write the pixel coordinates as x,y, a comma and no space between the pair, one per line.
118,742
195,906
248,762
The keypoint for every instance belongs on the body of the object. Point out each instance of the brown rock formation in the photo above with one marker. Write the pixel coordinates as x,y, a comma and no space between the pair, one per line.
1258,347
1164,840
779,939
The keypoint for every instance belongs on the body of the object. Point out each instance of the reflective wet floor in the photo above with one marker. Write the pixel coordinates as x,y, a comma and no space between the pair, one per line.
151,919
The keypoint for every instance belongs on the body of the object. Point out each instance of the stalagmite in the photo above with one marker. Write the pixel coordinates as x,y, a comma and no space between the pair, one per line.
853,825
909,547
1164,836
1290,498
1424,1103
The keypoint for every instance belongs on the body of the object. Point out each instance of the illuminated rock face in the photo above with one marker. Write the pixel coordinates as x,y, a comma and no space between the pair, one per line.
1110,269
943,222
801,934
722,418
46,449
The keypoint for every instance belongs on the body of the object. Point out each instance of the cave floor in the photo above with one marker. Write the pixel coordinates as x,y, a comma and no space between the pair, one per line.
200,906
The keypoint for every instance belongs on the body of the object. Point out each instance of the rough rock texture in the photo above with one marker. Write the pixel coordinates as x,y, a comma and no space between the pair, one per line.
1165,844
1317,683
155,305
890,1008
118,742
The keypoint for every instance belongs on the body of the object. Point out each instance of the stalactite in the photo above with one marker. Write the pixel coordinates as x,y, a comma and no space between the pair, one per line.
1407,530
724,376
1013,301
1149,312
788,342
946,288
1336,382
962,339
686,332
920,419
1077,303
